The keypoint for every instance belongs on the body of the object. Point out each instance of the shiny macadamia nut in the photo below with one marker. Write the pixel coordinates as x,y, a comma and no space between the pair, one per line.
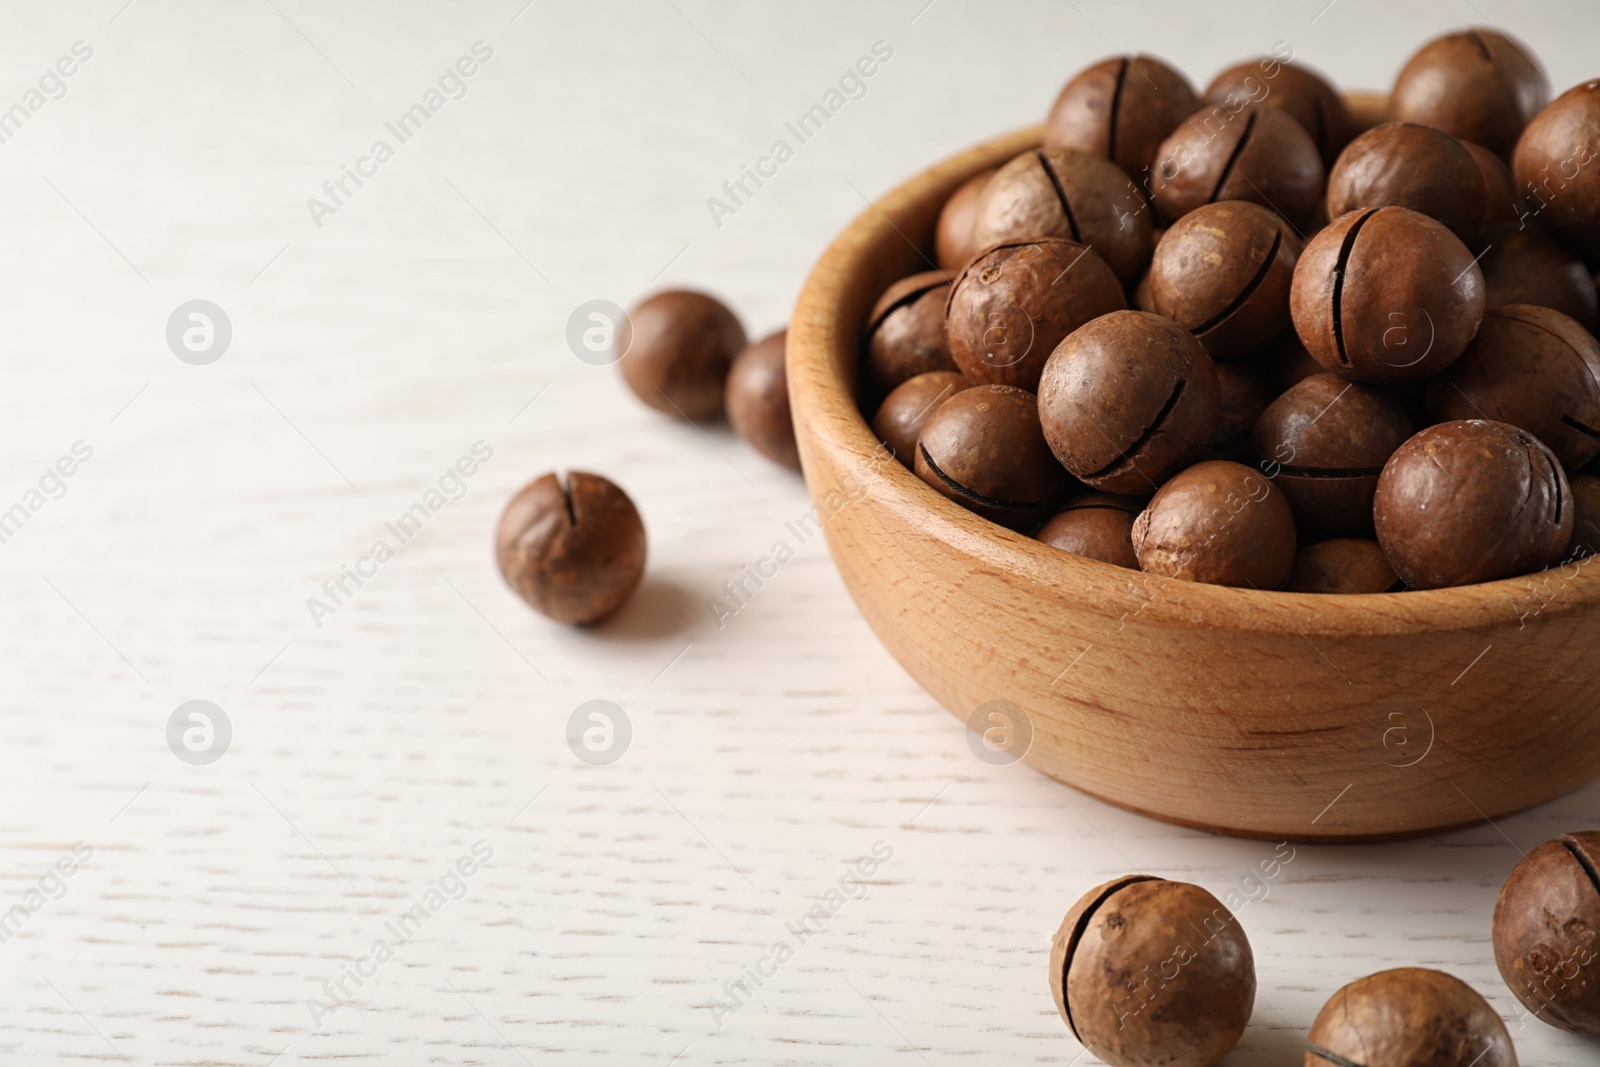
1386,294
1534,368
1223,272
573,551
1151,973
1409,1017
1324,442
1217,522
1400,164
982,448
1256,153
1547,933
1120,109
1307,96
1344,565
1096,525
1557,168
1522,264
682,345
1062,192
1128,399
1014,303
1471,501
757,400
952,239
1479,85
906,410
905,332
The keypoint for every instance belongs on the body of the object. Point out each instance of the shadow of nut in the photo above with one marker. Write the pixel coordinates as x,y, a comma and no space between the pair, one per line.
1146,971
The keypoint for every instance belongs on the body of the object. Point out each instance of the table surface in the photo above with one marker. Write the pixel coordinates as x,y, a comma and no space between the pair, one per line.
299,899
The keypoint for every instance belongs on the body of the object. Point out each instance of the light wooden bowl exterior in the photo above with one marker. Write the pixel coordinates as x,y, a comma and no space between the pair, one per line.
1262,714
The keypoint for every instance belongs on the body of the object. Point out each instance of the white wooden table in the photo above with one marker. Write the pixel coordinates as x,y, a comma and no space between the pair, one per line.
374,341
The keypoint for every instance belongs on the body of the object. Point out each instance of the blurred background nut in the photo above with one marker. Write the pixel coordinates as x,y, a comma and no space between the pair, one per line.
1471,501
1096,525
905,333
1014,303
953,237
1242,397
1557,168
757,399
683,344
906,410
1479,85
1223,272
1534,368
1343,565
1152,973
1128,399
1120,109
1061,192
1217,522
1404,165
1307,96
1522,264
1547,932
1386,294
1409,1017
574,552
1501,203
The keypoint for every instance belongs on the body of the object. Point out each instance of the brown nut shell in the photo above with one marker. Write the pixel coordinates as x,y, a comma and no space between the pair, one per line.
1344,565
1522,264
1096,525
1256,153
1324,442
1479,85
1307,96
1241,398
574,552
982,448
1471,501
1120,109
1585,516
1408,1017
1015,301
1534,368
1217,522
1062,192
682,344
1401,164
1223,272
1128,399
906,410
953,242
1501,203
1120,934
905,332
1547,933
1557,168
757,399
1386,294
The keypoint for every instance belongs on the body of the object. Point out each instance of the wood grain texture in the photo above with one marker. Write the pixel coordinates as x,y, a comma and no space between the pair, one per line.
1239,710
768,755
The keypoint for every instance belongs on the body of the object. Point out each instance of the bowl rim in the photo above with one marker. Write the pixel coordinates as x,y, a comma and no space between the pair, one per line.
827,419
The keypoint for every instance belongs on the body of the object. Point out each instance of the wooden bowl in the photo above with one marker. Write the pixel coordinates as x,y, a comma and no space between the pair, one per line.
1261,714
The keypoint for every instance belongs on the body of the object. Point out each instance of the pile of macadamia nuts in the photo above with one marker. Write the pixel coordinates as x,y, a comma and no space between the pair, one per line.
1251,338
1147,972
